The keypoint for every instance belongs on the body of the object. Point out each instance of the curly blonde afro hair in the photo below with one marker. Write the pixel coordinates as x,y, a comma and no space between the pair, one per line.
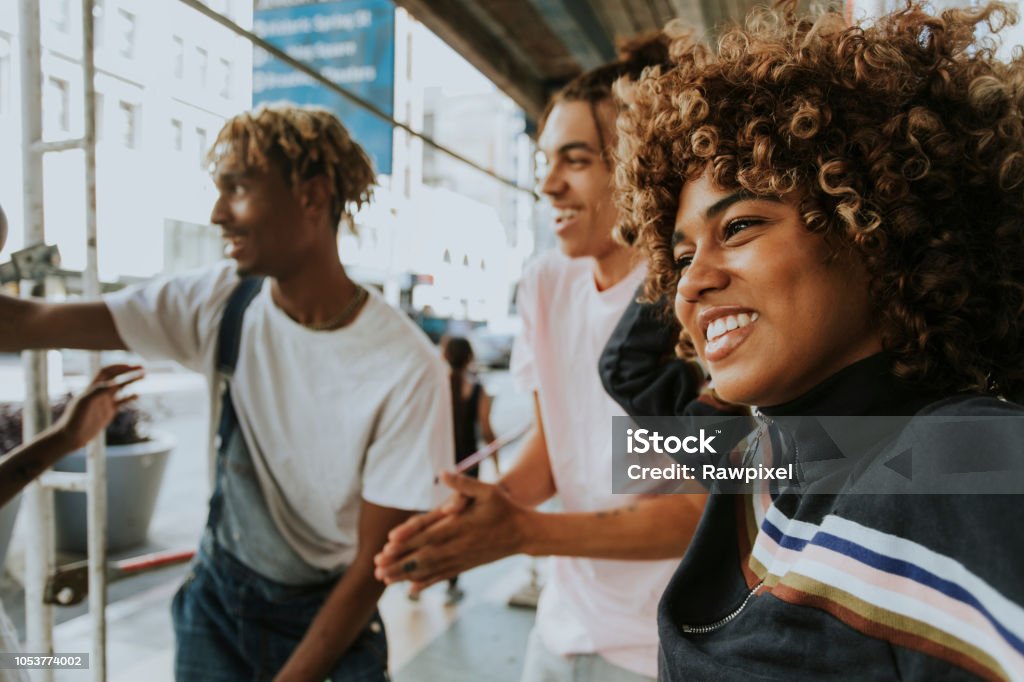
302,142
903,141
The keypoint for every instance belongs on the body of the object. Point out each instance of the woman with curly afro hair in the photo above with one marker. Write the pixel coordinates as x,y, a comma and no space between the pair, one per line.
838,212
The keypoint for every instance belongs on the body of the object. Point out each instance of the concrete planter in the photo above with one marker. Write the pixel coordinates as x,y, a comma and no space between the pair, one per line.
134,474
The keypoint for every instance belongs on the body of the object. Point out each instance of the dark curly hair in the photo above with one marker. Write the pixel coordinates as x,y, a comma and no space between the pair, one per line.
903,140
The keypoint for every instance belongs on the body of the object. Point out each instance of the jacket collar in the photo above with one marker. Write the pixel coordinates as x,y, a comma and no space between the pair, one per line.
867,387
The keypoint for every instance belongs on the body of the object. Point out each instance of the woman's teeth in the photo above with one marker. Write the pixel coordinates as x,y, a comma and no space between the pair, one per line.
728,323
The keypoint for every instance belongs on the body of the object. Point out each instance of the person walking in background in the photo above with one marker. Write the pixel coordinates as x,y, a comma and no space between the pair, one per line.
471,412
471,404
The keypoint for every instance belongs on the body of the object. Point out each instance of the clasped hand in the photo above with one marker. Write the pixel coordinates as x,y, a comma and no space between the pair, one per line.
478,524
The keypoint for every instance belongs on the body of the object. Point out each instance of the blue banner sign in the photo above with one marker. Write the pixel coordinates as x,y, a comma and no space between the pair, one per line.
352,42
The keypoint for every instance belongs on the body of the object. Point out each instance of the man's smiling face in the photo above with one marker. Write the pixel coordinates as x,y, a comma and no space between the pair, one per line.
263,219
577,180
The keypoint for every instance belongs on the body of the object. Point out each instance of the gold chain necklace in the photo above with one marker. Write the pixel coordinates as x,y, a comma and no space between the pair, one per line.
345,316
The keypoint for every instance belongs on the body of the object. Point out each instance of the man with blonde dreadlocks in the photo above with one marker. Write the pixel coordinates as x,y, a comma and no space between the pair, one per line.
333,417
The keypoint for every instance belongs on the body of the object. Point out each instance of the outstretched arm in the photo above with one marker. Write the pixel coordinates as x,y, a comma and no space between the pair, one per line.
27,324
83,419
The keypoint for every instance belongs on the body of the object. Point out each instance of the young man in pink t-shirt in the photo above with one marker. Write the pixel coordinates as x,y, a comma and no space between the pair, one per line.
613,554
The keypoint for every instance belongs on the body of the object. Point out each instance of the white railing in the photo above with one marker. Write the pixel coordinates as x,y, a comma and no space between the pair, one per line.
40,552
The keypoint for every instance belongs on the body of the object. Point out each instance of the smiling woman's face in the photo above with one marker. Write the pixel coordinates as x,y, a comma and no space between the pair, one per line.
770,313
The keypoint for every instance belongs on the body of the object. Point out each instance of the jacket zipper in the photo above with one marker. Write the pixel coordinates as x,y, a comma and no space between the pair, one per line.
722,622
763,431
765,423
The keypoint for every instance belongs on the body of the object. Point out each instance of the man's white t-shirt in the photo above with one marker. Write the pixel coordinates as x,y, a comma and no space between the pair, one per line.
598,606
330,417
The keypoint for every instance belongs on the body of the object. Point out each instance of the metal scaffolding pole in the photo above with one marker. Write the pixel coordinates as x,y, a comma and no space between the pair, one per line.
96,458
39,551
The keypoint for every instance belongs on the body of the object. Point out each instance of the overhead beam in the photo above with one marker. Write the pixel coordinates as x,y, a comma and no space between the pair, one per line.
575,22
464,33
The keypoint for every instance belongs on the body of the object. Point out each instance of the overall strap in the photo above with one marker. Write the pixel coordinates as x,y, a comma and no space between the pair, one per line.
229,338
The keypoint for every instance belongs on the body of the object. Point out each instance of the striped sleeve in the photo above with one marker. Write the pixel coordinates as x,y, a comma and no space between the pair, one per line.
897,589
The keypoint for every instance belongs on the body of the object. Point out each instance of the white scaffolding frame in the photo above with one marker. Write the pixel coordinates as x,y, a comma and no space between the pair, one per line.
40,553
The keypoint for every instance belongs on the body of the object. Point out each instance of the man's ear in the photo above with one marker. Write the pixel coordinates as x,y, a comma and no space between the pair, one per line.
315,195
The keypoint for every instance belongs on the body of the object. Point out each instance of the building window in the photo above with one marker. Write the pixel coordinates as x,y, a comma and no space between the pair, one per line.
225,78
178,56
60,14
129,114
201,147
202,66
177,134
58,105
126,33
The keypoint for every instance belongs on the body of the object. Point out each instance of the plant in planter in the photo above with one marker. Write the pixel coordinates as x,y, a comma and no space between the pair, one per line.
135,468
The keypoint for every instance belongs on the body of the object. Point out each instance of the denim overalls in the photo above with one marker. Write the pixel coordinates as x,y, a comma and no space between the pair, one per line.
249,598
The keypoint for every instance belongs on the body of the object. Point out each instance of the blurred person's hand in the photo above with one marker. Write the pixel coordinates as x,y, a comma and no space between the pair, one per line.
479,524
93,409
